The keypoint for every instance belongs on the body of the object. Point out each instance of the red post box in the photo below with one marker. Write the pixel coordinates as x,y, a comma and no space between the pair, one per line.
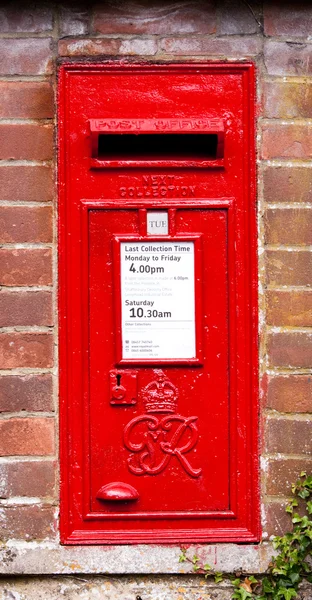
158,311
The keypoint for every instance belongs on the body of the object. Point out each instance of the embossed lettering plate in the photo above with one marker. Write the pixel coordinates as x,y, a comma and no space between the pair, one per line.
158,426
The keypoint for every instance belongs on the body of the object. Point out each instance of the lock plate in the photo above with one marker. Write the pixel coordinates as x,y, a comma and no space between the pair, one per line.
123,387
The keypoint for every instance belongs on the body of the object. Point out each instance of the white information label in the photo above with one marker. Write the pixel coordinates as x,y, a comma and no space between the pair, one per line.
157,300
157,223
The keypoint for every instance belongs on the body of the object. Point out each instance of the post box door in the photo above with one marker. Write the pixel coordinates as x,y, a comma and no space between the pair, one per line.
157,306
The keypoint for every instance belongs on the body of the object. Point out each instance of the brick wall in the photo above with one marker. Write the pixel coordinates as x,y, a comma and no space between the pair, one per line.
276,36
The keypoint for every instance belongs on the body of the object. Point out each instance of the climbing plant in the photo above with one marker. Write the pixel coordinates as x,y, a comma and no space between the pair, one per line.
289,567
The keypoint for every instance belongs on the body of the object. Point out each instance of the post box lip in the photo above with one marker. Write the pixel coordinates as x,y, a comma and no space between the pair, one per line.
120,127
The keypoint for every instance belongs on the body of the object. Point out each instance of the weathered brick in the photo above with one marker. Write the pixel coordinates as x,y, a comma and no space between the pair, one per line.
290,393
286,141
237,19
290,308
138,47
288,436
27,437
283,58
290,20
276,521
33,350
27,523
287,100
25,308
25,56
288,268
290,349
282,473
26,393
26,100
26,183
154,18
18,17
109,46
88,47
25,224
27,478
287,184
25,267
205,46
292,226
74,19
26,142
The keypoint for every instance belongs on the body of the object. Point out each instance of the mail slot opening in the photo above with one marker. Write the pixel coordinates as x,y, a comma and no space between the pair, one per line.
158,146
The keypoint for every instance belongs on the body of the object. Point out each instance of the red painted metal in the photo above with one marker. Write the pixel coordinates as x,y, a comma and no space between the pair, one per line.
117,491
180,432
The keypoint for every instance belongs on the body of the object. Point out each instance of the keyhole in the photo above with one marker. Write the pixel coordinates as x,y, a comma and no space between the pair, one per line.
118,379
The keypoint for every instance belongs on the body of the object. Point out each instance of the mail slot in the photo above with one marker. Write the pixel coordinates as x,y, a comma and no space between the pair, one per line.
158,304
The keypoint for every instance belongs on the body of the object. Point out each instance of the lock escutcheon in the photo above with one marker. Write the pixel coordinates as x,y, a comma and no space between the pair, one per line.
123,387
118,392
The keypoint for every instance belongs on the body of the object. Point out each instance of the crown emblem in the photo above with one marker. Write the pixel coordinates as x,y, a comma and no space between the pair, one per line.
160,395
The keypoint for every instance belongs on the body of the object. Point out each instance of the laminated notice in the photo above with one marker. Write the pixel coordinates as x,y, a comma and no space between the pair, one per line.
157,300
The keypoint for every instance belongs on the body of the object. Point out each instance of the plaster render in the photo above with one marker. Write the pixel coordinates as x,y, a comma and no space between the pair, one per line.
45,558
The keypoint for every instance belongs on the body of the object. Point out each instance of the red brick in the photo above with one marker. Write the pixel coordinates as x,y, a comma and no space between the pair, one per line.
25,56
290,393
290,20
205,46
290,226
25,308
27,523
288,268
282,473
290,349
276,520
89,47
74,19
25,267
26,393
154,18
287,100
26,142
25,224
109,47
282,58
288,436
138,47
290,308
27,478
287,184
27,437
286,141
26,183
33,350
26,100
237,19
18,17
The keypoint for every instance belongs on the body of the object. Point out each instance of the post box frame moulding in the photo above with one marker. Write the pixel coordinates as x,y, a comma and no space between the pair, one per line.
101,200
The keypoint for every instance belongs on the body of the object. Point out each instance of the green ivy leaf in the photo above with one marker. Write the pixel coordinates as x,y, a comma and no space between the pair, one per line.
241,594
267,586
304,493
288,594
296,518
